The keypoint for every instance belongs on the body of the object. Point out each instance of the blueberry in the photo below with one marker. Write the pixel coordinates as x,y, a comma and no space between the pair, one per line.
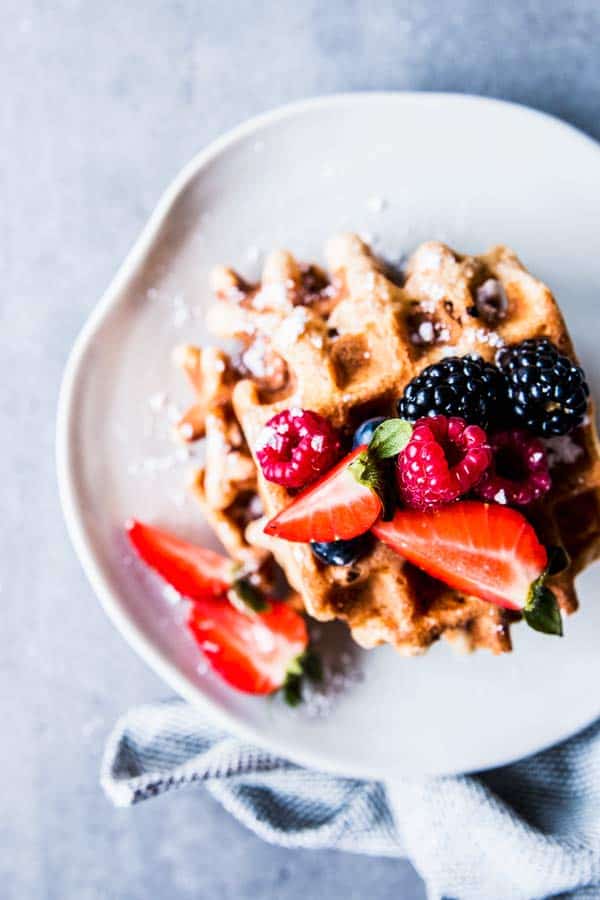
342,553
365,432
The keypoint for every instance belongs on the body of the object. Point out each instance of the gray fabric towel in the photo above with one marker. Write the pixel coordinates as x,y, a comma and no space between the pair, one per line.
526,831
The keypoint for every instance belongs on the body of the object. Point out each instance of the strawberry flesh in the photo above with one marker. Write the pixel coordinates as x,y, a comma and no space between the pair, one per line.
195,572
482,550
251,652
337,507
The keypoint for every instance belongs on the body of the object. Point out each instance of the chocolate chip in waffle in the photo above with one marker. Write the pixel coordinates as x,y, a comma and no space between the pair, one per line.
345,347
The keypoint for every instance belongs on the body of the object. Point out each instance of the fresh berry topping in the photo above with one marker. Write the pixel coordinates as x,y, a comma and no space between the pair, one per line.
547,393
342,553
463,386
296,447
253,652
195,572
257,647
365,432
519,472
482,550
341,505
442,461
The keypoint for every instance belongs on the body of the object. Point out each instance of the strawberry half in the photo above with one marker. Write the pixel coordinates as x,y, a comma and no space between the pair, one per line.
484,550
195,572
256,653
256,646
341,505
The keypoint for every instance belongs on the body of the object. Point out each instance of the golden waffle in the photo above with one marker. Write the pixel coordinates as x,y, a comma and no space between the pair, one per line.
226,485
345,348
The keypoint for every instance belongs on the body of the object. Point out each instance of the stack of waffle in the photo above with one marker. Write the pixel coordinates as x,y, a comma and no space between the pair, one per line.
345,346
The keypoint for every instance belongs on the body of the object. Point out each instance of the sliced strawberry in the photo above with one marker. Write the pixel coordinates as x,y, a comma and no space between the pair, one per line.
254,653
484,550
195,572
340,506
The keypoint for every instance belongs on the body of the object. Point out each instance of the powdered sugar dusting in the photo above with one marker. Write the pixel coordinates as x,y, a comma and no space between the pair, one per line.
562,450
427,305
430,257
156,465
292,327
186,431
271,296
320,699
484,336
254,358
430,332
376,203
265,437
157,401
437,291
181,311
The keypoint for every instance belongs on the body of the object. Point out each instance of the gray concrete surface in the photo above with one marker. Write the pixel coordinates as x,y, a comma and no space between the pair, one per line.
101,105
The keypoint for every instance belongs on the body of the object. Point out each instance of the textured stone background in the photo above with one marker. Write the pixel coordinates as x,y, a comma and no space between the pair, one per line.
101,105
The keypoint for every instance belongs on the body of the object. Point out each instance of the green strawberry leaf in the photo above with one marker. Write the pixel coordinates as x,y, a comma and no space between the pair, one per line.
367,471
307,665
312,666
373,468
542,611
558,560
390,438
249,595
292,689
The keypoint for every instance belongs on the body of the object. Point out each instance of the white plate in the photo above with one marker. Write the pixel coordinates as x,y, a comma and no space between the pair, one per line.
465,170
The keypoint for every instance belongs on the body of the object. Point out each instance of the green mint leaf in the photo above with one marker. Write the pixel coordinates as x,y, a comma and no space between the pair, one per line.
390,438
542,611
249,595
558,560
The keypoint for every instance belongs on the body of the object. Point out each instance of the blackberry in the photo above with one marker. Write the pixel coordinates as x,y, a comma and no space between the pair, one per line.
547,392
342,553
462,386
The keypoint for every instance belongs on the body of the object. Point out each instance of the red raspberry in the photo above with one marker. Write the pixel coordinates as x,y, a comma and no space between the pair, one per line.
519,471
443,460
296,446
